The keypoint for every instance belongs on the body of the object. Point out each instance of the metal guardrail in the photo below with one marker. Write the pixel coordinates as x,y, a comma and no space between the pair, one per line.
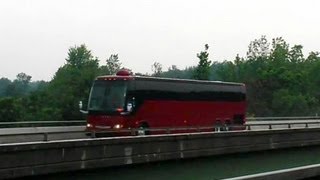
44,135
41,123
282,118
287,124
83,122
223,128
171,130
253,125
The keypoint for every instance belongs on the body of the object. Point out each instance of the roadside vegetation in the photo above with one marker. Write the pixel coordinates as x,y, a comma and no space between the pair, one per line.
280,80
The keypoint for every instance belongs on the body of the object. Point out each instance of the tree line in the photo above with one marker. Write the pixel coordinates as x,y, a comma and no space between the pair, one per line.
57,99
280,81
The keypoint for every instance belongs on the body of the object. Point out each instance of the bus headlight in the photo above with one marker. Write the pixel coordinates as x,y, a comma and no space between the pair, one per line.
89,125
117,126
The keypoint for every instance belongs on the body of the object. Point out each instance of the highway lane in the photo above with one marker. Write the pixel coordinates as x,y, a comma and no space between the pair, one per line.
32,134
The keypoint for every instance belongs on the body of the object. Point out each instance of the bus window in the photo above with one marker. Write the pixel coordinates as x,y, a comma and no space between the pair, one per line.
107,96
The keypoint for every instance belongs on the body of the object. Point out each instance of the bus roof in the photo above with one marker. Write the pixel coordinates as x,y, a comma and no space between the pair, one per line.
150,78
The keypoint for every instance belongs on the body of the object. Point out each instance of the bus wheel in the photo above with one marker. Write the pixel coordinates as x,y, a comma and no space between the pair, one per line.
142,130
218,126
226,126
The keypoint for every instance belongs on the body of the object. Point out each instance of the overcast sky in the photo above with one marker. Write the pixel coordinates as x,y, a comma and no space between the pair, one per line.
35,35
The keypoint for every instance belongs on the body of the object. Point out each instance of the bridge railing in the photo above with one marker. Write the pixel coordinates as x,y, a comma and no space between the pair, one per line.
283,125
218,128
282,118
83,122
74,134
41,123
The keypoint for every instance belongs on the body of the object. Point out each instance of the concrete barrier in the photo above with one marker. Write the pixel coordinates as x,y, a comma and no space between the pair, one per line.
27,159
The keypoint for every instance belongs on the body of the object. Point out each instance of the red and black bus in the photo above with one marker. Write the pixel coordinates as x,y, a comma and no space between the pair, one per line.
125,101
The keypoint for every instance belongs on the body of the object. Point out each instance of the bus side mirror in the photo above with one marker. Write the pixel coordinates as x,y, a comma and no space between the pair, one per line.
131,104
80,104
129,107
81,108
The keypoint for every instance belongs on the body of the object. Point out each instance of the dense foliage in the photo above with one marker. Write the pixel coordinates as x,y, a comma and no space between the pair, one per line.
58,99
202,71
280,81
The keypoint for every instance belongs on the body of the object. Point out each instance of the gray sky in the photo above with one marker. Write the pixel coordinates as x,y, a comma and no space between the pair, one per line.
35,35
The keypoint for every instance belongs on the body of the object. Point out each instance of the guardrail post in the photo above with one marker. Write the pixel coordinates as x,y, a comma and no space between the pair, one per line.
270,126
133,132
307,125
93,134
249,127
45,137
168,130
289,126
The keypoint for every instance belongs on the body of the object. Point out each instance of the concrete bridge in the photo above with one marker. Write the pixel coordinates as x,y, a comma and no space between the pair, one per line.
36,158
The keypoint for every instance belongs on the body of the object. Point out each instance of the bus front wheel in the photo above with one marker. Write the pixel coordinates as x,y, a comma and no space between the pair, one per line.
143,130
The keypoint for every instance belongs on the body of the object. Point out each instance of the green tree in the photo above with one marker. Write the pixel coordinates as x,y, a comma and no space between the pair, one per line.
4,83
113,65
38,85
23,78
172,72
202,71
280,51
296,55
72,82
313,75
225,71
280,81
39,106
175,72
20,86
285,102
10,110
156,68
258,48
79,56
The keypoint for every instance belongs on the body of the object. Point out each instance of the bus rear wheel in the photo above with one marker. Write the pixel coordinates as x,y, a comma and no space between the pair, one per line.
143,130
217,127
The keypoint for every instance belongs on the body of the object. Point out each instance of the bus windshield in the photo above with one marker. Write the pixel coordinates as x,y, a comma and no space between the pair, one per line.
107,96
